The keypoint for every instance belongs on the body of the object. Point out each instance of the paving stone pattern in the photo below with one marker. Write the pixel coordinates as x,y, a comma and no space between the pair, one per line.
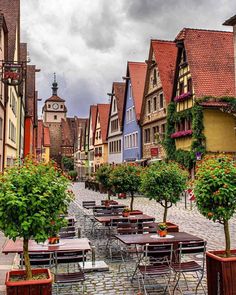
115,281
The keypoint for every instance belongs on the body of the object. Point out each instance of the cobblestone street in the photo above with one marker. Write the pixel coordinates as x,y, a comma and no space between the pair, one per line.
115,280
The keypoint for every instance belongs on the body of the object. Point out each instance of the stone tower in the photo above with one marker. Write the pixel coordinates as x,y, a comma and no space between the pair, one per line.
54,111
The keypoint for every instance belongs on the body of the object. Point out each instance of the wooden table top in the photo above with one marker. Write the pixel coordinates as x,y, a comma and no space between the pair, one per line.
142,239
108,218
64,245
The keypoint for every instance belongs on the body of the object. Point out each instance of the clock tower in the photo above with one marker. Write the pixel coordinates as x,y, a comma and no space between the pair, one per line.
54,108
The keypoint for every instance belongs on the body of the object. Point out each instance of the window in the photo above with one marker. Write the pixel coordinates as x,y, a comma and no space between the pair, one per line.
1,128
114,125
49,106
130,91
155,132
163,128
55,117
147,135
189,85
99,134
114,105
130,141
161,101
61,106
181,88
154,81
154,103
148,106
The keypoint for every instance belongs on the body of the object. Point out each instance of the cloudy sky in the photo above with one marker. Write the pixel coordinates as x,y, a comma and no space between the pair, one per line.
88,42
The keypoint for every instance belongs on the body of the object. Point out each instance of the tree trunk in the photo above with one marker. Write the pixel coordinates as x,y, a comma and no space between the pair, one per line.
27,259
132,202
165,212
109,195
227,238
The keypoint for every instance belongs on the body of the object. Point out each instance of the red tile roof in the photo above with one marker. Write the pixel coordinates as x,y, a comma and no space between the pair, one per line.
40,134
46,136
43,135
68,127
137,72
165,54
210,55
119,92
93,116
103,111
55,98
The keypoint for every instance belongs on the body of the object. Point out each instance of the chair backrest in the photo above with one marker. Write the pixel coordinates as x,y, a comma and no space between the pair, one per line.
127,228
141,221
159,253
101,212
116,211
148,227
116,221
88,204
70,257
192,247
67,235
70,221
67,229
43,258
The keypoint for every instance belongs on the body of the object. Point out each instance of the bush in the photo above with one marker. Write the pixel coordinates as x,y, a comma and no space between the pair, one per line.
67,163
73,174
164,182
126,179
215,191
32,197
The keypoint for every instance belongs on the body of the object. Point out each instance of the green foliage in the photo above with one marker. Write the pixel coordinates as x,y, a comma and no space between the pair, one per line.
185,158
215,191
169,143
215,188
198,143
32,195
164,182
73,174
126,179
103,175
68,163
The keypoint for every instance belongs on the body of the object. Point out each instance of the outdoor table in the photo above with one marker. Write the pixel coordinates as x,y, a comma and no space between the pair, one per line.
142,239
108,218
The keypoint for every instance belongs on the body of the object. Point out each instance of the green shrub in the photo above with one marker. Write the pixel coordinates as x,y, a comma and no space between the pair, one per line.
73,174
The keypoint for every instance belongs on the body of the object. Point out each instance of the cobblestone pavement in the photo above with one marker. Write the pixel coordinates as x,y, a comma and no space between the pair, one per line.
190,221
115,281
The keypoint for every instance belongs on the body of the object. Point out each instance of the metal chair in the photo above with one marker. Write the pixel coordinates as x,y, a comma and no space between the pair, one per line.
186,264
155,263
88,204
42,259
70,277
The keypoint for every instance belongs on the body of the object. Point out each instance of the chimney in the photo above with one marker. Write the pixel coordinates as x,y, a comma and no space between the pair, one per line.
232,22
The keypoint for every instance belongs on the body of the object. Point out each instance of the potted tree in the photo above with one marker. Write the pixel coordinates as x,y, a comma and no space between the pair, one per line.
32,197
103,177
126,179
215,192
164,182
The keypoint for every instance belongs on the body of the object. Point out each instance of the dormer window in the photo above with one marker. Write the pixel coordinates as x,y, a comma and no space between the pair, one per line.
181,88
190,86
114,105
154,81
161,101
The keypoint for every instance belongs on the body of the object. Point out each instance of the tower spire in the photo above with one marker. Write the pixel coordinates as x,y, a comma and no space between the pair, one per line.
54,85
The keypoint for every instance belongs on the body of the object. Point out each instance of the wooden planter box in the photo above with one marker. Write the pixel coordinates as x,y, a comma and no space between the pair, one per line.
33,287
171,227
135,212
221,273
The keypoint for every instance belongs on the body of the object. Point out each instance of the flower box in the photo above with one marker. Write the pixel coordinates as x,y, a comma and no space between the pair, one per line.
182,97
41,286
183,133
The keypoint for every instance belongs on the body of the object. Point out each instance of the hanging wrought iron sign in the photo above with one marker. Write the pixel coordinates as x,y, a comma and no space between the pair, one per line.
12,73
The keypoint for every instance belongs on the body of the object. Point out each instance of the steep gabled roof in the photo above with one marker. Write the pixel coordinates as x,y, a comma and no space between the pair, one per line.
43,135
137,74
103,111
68,129
210,55
93,116
119,91
165,53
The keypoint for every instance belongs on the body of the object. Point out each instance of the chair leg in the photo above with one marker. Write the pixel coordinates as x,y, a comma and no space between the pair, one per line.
177,283
200,282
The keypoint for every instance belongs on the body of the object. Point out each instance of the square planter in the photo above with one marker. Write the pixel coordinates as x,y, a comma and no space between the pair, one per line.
221,273
32,287
171,227
135,212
